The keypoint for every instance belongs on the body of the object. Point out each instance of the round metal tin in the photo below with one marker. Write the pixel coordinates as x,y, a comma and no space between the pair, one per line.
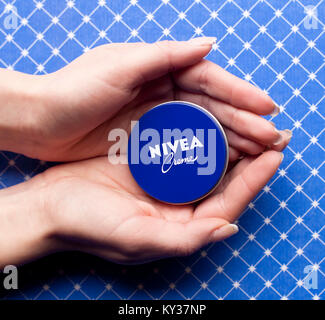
178,152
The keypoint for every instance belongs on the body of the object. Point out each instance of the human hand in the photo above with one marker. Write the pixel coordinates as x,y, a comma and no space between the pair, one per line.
70,112
97,207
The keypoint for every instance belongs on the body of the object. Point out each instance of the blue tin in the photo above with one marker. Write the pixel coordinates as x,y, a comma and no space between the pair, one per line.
178,152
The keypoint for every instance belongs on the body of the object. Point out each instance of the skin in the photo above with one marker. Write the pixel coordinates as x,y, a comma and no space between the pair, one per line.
89,204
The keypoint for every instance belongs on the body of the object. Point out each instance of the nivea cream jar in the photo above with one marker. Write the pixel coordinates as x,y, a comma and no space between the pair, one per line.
178,152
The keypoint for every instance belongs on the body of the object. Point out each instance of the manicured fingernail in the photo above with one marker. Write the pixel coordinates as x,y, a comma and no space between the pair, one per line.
279,139
289,133
275,111
203,41
224,232
282,156
284,135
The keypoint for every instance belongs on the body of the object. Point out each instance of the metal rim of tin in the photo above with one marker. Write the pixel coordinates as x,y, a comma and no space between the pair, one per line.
215,120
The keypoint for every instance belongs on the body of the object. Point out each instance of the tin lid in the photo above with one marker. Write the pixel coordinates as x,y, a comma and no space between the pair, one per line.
177,152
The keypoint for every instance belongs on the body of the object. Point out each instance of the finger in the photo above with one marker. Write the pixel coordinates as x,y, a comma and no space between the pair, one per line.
163,238
234,170
283,141
209,78
244,123
242,144
243,186
142,62
233,154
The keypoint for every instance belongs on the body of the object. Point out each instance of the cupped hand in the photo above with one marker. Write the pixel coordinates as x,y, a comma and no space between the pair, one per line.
113,84
97,207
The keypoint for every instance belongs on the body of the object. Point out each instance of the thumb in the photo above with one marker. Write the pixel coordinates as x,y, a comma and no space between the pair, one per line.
142,62
169,238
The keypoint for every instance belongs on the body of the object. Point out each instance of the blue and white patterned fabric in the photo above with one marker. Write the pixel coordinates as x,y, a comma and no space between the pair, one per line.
278,46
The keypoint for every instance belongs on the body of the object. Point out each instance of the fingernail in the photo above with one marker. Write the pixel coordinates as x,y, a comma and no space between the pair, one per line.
273,124
284,135
275,111
203,41
282,156
224,232
279,139
289,133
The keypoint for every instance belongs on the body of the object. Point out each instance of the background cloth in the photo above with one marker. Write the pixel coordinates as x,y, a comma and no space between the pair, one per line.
278,46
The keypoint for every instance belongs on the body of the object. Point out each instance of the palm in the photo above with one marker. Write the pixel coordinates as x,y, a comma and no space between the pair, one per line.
101,202
149,95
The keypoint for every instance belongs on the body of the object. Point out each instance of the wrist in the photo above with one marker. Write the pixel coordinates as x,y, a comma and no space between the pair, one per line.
21,96
26,229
